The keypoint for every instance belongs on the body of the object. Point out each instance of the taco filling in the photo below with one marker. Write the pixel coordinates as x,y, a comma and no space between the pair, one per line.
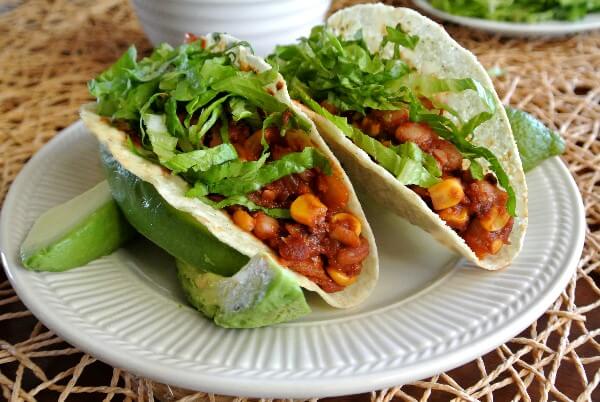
242,151
398,116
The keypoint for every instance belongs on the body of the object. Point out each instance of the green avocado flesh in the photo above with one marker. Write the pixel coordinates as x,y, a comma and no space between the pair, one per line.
176,232
74,233
260,294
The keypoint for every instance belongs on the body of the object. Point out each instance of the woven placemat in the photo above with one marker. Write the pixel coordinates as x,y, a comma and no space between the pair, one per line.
49,49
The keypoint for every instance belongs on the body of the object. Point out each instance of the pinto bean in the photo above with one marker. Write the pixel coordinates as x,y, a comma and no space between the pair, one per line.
390,119
215,139
353,255
345,236
297,140
265,227
447,155
347,220
483,242
483,195
420,134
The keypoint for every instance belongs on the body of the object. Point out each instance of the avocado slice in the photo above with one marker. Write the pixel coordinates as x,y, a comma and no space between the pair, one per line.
259,294
174,231
72,234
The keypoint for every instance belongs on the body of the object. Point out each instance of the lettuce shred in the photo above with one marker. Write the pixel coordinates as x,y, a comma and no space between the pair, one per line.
345,74
178,95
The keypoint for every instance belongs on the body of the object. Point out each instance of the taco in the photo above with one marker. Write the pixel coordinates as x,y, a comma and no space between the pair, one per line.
415,120
207,135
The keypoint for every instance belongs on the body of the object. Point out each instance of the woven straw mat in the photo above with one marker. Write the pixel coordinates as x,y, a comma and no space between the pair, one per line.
49,49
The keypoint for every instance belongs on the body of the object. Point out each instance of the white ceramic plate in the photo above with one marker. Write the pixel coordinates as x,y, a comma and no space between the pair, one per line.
548,28
430,311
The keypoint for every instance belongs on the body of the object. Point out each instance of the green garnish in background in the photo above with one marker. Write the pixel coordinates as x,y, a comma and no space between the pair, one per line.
519,10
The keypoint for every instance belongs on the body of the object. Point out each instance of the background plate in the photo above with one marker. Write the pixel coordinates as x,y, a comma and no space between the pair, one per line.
548,28
430,311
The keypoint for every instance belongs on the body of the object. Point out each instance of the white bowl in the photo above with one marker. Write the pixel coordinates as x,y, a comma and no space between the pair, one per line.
263,23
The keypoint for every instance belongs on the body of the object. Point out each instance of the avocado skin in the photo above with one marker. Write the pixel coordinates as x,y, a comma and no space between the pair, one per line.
99,234
176,232
255,297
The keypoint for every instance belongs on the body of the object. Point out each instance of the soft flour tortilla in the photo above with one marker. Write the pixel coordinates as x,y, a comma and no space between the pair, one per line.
173,188
439,55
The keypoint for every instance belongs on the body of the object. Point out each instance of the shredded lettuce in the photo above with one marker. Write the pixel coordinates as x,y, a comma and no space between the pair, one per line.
296,162
243,201
251,86
347,76
234,168
163,144
207,119
406,162
344,72
519,10
241,109
176,96
201,160
109,86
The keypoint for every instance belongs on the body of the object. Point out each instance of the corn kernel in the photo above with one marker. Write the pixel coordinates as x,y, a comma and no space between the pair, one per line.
455,217
341,278
308,210
446,194
348,220
495,219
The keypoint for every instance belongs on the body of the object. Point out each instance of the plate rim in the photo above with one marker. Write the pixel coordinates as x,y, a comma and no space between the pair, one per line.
551,28
344,384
